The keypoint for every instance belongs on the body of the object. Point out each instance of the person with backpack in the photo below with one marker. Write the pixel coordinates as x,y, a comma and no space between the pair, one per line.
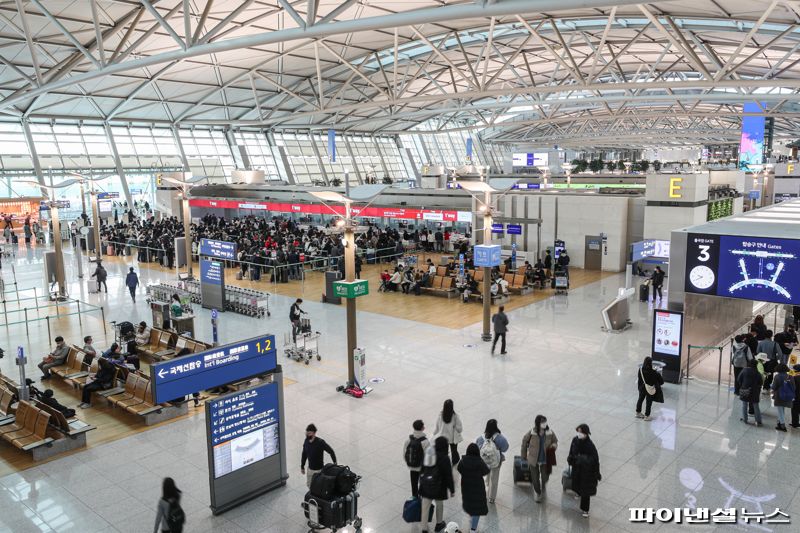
649,382
749,384
169,516
294,317
783,393
414,453
585,464
314,449
132,282
537,444
449,426
473,490
101,274
740,359
435,482
493,446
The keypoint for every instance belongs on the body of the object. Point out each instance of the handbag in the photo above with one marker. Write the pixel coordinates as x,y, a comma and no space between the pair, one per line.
744,394
650,389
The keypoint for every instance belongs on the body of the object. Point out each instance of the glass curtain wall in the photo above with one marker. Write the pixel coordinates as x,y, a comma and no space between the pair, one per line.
302,159
208,153
258,152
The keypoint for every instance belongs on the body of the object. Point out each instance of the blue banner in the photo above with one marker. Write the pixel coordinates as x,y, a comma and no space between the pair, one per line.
211,271
244,428
487,255
469,147
497,228
514,229
219,249
332,145
178,377
461,265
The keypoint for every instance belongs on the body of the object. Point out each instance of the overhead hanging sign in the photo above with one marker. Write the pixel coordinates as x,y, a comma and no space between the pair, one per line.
178,377
219,249
487,255
332,145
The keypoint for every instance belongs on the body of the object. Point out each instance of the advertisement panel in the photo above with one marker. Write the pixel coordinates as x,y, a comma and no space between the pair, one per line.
751,146
667,333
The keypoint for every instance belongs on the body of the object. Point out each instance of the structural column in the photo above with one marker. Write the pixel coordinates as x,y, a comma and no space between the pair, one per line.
118,162
487,271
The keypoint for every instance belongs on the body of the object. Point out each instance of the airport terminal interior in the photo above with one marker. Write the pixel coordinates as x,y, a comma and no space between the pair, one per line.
386,266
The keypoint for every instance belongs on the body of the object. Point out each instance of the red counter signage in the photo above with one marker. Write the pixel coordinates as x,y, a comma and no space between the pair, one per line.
320,209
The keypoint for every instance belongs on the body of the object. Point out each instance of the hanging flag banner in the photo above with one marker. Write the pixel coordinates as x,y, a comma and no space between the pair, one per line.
469,148
332,145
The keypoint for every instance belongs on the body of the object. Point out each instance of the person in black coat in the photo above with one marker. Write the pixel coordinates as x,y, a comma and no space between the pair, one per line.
473,490
444,474
749,383
648,376
585,465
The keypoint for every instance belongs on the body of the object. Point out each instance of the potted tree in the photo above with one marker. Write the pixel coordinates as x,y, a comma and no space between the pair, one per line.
336,182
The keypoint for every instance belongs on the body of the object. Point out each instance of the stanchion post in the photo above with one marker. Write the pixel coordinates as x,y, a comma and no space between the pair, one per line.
26,322
80,320
49,335
719,370
103,313
688,360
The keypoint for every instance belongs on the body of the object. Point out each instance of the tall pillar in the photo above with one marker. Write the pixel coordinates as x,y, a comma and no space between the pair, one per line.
118,162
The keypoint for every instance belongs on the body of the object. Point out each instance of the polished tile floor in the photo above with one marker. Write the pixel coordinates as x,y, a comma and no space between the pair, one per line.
694,453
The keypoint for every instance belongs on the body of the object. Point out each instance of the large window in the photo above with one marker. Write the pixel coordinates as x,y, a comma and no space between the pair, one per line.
208,153
392,158
259,152
302,159
367,158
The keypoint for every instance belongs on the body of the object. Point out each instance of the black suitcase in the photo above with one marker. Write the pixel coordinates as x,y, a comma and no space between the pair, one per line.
644,292
334,514
522,473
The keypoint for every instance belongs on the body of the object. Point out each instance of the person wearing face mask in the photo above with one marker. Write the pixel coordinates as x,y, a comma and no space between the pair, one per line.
539,446
585,465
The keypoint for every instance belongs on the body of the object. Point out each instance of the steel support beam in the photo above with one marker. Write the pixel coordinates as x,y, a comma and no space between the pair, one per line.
118,163
37,166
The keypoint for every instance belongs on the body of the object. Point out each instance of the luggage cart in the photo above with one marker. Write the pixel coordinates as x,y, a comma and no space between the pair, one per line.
307,346
562,284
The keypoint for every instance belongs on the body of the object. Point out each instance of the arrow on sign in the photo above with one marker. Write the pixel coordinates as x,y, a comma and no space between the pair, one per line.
161,373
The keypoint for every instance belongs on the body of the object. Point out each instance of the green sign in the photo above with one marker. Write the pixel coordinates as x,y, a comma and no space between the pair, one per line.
351,289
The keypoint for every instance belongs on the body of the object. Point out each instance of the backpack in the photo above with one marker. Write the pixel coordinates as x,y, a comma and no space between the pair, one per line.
414,452
490,454
175,517
786,391
430,481
739,357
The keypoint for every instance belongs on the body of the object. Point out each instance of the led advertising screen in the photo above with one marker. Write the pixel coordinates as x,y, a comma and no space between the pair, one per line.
244,428
667,332
751,268
751,147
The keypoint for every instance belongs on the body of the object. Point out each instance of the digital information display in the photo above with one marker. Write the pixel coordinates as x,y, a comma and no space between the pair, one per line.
218,249
178,377
751,268
751,146
497,228
529,159
514,229
558,247
649,248
244,428
667,333
211,271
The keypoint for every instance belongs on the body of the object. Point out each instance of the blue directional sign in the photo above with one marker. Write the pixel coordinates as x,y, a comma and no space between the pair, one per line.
487,255
178,377
214,314
211,271
218,249
244,428
107,195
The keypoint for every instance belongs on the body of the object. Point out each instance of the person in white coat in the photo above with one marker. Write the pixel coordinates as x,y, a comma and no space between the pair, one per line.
448,425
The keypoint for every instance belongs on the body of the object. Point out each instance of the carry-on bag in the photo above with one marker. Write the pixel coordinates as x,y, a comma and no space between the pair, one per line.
412,510
644,292
335,513
522,473
566,479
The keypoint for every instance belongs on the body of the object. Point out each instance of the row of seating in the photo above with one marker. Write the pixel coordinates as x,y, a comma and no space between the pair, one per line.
74,365
441,285
136,397
164,344
28,430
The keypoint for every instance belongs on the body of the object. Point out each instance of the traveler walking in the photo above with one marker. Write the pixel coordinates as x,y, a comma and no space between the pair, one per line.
783,394
473,491
132,282
500,322
787,340
294,317
796,403
169,515
539,447
435,481
749,384
658,281
314,449
493,446
101,274
585,464
740,359
548,264
414,453
448,425
650,383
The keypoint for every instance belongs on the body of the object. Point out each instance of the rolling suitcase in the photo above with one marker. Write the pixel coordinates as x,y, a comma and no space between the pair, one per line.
566,479
333,514
644,292
522,473
412,511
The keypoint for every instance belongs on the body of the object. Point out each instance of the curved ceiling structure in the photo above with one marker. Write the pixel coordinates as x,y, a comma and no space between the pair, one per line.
575,73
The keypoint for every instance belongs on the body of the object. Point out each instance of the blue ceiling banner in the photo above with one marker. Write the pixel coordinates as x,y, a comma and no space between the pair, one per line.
469,147
175,378
332,145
